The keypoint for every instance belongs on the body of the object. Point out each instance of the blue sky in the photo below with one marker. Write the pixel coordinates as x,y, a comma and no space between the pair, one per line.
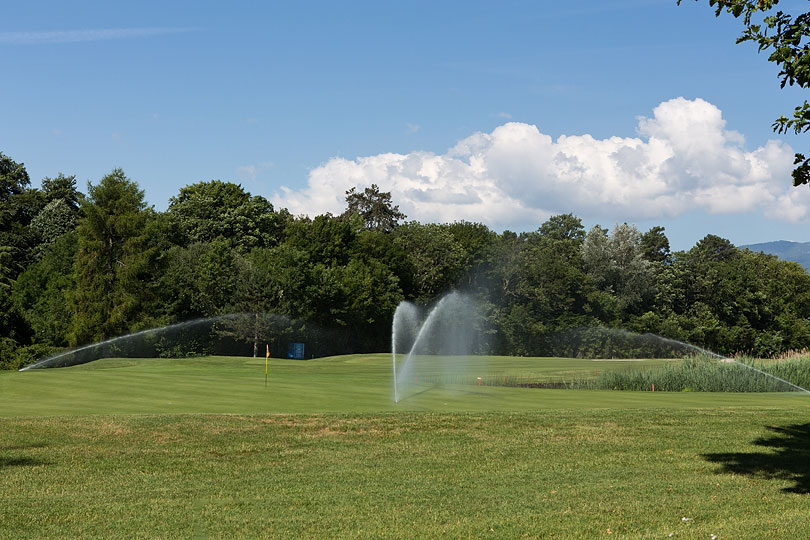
630,110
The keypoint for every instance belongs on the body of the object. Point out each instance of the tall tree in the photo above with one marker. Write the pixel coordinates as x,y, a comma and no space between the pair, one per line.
198,281
563,227
53,221
655,245
205,211
374,207
548,288
18,205
113,261
64,188
13,178
326,239
785,37
437,258
252,302
617,265
477,241
43,290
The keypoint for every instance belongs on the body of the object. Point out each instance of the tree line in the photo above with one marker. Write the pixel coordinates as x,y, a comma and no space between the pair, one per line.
78,268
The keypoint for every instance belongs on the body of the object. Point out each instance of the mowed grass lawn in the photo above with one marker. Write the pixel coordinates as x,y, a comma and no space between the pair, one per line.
201,449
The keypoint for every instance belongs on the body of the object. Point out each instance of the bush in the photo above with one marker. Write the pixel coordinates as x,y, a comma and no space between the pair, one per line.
19,357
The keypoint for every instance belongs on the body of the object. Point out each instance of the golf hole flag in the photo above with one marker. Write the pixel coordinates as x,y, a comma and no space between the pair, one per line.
266,360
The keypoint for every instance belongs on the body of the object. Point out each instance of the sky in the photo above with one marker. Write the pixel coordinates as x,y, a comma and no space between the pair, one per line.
505,113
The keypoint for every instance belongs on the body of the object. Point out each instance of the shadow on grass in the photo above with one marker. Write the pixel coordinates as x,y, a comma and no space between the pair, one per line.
24,446
787,457
20,462
9,461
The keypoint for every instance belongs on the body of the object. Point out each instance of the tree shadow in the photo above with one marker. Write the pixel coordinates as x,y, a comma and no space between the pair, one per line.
16,461
20,462
23,446
788,458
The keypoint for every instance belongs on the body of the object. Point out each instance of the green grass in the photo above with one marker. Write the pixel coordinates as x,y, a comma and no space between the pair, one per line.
707,374
142,449
556,474
515,371
346,384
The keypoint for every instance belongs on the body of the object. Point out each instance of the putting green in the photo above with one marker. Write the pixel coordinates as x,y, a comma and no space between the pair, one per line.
345,384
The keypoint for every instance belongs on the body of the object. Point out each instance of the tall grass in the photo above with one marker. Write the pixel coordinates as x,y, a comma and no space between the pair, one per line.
698,373
704,373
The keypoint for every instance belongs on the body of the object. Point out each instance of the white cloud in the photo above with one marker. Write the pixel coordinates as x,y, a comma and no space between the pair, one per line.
411,128
77,36
683,159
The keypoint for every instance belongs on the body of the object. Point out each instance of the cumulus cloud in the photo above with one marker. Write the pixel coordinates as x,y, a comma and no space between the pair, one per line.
682,159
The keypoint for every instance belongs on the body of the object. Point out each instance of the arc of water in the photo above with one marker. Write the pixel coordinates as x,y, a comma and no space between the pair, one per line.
771,375
727,359
427,325
707,352
52,361
424,328
396,390
394,328
404,319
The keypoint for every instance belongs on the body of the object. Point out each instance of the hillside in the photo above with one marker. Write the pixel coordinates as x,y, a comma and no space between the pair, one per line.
789,251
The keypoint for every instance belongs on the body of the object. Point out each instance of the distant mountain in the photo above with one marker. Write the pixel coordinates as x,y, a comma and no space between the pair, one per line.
790,251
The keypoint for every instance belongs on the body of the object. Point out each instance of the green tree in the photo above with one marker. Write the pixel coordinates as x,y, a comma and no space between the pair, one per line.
563,228
18,205
198,280
13,328
548,289
729,300
252,302
54,220
59,213
436,257
616,264
380,246
204,211
43,290
325,239
371,293
14,178
374,207
784,36
655,245
114,262
476,240
64,188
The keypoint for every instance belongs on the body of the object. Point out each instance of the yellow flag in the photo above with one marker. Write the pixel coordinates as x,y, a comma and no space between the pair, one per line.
266,358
